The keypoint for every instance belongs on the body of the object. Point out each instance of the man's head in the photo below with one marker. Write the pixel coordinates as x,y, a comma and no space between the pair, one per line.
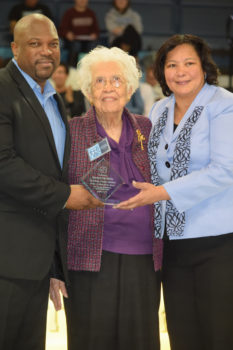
31,3
81,5
36,47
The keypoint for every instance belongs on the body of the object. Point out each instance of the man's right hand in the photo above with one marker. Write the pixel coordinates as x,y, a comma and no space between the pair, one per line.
80,198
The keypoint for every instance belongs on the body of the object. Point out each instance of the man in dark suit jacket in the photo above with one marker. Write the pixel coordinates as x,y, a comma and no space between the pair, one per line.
34,151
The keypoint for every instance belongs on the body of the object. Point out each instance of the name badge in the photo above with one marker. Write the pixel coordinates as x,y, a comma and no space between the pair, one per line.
98,149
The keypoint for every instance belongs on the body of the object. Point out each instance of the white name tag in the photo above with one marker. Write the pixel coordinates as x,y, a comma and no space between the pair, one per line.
98,149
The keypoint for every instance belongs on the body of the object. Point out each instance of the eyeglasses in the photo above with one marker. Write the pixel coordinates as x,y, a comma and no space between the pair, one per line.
116,81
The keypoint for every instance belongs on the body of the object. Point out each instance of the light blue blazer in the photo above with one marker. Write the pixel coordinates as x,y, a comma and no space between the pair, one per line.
206,193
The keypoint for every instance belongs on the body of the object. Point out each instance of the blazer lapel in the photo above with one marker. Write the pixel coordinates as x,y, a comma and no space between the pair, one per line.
92,136
35,105
67,141
90,126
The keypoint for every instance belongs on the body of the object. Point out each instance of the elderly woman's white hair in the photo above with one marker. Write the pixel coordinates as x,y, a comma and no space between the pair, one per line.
129,68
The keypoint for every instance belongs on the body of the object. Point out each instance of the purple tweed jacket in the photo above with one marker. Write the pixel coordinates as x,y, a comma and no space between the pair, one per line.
85,231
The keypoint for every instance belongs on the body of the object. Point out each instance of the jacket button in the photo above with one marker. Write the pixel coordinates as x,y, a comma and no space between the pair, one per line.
166,146
167,164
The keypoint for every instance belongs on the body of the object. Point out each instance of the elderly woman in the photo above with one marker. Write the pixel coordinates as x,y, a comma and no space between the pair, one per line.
191,156
113,256
73,99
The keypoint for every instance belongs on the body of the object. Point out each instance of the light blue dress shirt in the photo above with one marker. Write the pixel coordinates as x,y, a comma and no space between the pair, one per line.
206,193
49,104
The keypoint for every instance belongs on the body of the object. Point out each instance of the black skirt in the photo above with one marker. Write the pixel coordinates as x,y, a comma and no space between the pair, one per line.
116,308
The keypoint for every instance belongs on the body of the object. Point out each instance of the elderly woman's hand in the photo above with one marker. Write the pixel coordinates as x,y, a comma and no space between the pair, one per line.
149,194
57,288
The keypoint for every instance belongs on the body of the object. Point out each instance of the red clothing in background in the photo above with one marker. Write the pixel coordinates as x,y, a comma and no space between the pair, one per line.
79,23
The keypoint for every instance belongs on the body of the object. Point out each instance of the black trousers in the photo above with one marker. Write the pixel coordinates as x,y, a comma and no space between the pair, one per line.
23,310
116,308
198,292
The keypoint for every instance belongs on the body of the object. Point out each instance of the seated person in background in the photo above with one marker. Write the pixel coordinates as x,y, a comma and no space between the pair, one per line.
124,26
26,7
153,82
147,96
79,28
150,90
74,100
136,103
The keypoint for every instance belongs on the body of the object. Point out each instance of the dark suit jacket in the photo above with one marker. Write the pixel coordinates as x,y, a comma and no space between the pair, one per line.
33,188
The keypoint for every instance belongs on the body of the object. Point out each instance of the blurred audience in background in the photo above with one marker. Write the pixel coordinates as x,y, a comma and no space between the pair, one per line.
147,97
74,100
150,90
151,80
79,29
124,26
79,33
136,103
26,7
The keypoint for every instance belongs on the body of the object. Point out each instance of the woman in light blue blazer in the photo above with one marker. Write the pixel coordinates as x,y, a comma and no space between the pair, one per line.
191,155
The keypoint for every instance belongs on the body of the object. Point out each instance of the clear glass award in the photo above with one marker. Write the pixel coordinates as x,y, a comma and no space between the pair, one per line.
102,181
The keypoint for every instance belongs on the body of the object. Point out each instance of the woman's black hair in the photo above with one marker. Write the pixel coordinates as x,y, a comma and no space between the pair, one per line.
203,51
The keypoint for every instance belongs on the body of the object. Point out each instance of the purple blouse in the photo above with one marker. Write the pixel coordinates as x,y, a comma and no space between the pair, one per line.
125,231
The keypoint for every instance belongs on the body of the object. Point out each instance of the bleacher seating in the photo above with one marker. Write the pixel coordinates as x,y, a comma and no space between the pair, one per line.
161,19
